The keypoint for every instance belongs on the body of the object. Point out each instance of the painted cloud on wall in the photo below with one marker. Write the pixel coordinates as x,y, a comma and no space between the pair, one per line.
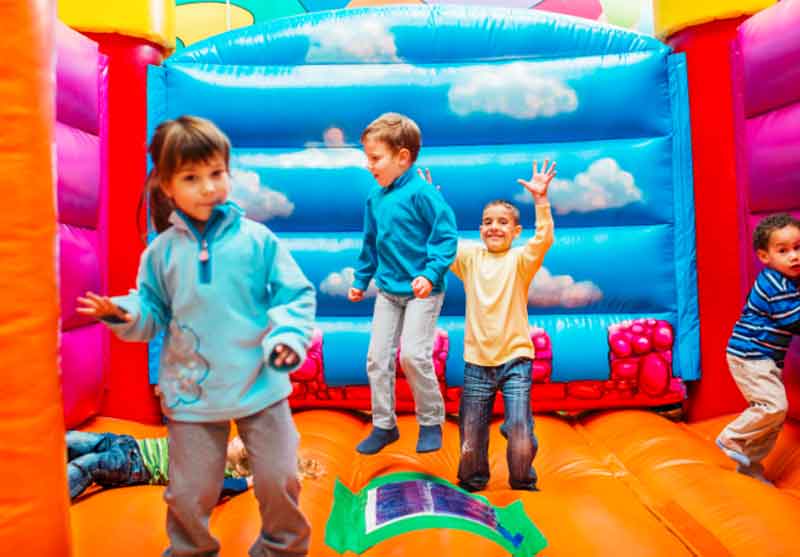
604,185
549,290
337,284
517,90
338,40
258,201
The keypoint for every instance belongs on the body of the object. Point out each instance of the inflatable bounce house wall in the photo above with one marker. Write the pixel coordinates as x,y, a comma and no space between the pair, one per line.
618,293
132,35
767,95
704,31
34,507
200,19
488,104
81,132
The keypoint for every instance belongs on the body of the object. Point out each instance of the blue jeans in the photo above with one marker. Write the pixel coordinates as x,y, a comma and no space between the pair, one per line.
105,458
481,384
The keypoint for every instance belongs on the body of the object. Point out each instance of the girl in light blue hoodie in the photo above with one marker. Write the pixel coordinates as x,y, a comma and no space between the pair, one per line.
238,315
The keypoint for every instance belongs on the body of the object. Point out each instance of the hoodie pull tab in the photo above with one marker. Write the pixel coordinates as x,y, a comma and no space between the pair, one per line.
204,252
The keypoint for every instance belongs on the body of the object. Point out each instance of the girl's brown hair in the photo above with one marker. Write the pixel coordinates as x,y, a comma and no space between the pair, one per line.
175,143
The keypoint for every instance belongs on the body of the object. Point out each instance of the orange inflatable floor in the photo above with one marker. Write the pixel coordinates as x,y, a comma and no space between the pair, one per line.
627,483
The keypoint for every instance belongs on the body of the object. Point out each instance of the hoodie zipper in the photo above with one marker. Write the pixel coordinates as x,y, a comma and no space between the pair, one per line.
204,244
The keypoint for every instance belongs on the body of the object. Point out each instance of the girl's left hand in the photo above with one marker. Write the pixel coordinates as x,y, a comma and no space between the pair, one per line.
283,356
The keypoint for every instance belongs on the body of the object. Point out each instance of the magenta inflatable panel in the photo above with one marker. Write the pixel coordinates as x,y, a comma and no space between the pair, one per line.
774,158
82,375
78,156
770,43
81,132
766,58
76,80
80,271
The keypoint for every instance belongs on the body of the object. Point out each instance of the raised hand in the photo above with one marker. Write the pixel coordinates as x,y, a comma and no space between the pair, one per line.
355,295
426,175
422,287
540,180
100,307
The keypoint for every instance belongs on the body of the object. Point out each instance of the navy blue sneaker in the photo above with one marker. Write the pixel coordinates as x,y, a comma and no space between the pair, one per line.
378,439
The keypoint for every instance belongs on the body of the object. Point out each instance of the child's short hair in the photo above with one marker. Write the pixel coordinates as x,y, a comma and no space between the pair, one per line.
507,205
175,143
770,224
397,131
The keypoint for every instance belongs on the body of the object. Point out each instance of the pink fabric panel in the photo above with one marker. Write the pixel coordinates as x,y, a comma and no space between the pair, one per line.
80,271
771,57
76,79
774,159
78,156
102,224
82,380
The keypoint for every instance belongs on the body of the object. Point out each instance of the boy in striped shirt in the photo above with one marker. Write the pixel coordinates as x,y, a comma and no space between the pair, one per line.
758,345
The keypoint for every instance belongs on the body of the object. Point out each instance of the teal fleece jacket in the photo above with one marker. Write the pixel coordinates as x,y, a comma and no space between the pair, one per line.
226,298
409,231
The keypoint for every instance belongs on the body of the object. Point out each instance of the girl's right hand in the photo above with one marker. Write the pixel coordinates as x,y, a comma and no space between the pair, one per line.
101,307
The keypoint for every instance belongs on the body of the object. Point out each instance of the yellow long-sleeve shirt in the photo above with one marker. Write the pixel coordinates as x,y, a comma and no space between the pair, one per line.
496,286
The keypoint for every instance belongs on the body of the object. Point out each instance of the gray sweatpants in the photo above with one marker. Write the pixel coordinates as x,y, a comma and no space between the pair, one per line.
414,321
197,454
754,432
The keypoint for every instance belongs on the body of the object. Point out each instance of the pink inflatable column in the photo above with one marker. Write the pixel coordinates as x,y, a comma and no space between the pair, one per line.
82,209
767,64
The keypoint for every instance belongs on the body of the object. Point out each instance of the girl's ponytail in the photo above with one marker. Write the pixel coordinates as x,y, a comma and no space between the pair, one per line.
160,206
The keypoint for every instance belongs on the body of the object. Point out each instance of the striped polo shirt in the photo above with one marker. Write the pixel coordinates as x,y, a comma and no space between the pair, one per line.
770,317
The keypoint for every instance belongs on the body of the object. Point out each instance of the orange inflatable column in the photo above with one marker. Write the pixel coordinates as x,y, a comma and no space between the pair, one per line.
34,500
133,34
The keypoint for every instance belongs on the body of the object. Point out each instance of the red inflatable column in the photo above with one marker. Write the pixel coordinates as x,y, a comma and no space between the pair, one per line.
129,394
707,49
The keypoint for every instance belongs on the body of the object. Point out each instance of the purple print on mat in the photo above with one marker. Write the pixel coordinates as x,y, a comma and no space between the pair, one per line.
394,501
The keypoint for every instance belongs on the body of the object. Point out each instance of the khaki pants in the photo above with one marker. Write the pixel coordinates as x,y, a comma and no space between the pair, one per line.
756,429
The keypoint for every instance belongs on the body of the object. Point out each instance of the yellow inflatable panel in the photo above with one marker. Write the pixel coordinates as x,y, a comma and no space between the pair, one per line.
671,16
153,20
203,19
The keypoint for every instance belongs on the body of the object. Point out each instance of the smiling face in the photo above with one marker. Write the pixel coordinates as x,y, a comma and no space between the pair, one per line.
499,228
383,163
783,251
197,187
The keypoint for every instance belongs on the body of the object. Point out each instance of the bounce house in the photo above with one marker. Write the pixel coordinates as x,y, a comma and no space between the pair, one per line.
663,172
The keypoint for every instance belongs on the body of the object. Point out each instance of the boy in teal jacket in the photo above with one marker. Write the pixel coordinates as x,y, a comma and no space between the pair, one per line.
410,241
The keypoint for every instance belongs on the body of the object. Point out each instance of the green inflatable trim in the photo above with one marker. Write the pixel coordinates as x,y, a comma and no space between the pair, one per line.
397,503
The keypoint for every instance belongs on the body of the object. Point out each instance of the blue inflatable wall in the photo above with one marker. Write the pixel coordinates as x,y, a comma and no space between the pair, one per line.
492,90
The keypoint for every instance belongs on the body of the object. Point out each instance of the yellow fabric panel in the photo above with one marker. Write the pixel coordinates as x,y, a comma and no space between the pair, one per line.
153,20
204,19
671,16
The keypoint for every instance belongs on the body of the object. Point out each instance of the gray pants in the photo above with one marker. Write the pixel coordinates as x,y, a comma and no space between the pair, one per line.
754,432
197,454
414,321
